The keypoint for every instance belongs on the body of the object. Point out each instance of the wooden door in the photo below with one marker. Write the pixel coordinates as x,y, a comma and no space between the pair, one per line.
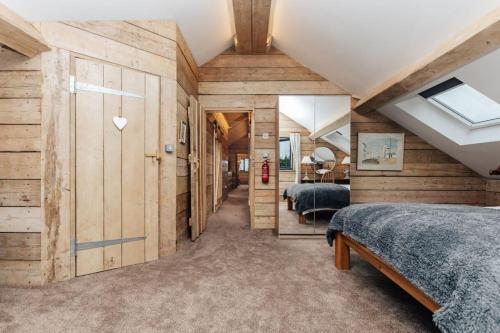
116,127
196,157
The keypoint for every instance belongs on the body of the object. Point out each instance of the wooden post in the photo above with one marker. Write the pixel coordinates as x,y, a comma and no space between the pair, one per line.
342,253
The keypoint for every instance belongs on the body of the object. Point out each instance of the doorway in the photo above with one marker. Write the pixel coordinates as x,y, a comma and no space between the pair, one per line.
115,166
228,166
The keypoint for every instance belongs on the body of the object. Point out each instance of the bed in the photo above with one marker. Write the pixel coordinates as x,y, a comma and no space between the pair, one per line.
316,197
446,256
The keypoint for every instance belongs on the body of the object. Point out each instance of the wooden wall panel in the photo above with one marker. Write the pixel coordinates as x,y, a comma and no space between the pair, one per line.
187,85
492,193
20,168
254,82
428,176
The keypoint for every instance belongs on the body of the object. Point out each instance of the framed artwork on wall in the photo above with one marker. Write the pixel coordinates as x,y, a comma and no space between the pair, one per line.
182,132
380,151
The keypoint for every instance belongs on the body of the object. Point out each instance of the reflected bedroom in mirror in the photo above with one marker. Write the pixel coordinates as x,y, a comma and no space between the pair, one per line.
314,150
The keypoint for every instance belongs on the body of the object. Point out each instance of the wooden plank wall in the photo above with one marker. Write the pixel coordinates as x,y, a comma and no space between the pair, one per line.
429,175
187,85
307,146
255,81
20,174
492,192
35,143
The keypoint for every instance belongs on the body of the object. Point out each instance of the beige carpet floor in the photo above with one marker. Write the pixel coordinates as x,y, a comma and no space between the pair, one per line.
231,280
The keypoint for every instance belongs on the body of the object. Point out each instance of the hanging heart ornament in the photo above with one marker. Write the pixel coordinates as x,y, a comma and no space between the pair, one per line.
120,122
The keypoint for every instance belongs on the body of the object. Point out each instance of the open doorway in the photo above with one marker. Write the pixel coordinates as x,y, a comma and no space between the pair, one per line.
228,154
314,158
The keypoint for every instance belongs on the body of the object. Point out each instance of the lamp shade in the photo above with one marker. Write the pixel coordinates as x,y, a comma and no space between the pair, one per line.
346,160
307,160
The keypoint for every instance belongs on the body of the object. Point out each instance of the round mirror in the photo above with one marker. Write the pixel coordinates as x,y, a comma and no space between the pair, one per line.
323,154
325,157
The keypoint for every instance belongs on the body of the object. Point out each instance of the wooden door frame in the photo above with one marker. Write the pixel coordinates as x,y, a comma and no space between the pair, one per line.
205,112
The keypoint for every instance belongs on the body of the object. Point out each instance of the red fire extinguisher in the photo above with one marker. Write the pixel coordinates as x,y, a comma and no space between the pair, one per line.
265,172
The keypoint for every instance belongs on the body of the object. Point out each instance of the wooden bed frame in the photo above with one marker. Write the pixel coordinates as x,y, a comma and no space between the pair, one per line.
302,216
343,244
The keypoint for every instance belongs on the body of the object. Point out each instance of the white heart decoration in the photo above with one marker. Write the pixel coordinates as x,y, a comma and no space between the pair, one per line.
120,122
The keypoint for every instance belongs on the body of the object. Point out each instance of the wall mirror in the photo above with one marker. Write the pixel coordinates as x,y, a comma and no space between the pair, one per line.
314,150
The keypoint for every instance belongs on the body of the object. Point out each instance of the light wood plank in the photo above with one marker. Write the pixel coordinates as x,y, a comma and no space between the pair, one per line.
252,60
261,10
440,197
418,183
20,92
20,246
91,45
19,165
20,273
13,61
112,168
19,34
133,167
420,170
20,219
55,159
164,28
152,127
19,79
19,138
126,33
270,88
20,111
219,74
242,10
20,193
89,167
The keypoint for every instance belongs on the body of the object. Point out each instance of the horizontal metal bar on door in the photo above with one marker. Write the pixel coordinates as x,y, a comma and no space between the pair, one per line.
93,245
82,86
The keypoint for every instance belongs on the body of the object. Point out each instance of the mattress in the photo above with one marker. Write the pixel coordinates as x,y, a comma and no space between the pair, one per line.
450,252
318,196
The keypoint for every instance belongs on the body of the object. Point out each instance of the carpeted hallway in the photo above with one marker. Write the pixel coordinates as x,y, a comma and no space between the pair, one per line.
230,280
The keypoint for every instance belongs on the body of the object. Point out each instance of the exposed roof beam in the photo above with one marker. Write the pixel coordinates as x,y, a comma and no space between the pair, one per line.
474,42
251,19
20,35
331,126
261,10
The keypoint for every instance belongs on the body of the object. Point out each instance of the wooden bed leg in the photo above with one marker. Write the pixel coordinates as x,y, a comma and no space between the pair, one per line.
290,203
342,253
302,219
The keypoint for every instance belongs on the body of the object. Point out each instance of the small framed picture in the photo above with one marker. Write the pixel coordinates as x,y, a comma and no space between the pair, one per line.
182,132
380,151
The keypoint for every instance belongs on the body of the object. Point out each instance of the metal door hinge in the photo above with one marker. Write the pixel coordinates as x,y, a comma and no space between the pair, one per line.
75,247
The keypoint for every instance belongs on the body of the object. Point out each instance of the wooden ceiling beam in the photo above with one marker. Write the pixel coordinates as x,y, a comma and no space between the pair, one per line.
473,43
339,122
20,35
243,24
251,20
261,10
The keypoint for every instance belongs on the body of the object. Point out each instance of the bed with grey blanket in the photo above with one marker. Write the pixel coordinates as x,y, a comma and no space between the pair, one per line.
317,196
450,252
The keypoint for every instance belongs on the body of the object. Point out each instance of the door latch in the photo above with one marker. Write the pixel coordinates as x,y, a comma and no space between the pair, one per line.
156,155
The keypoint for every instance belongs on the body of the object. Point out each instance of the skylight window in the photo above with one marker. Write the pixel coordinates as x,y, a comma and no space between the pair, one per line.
464,102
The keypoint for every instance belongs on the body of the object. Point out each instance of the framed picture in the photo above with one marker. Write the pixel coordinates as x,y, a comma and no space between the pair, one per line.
380,151
182,132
